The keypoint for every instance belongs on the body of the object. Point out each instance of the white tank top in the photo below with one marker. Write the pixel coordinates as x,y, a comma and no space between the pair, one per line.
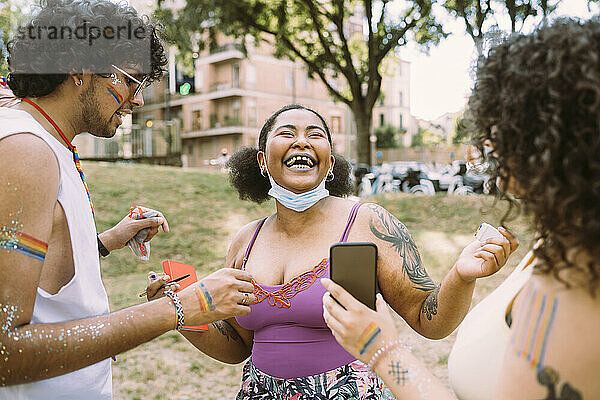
84,296
475,362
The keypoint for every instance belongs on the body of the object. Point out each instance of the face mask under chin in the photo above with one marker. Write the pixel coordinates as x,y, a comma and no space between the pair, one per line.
297,201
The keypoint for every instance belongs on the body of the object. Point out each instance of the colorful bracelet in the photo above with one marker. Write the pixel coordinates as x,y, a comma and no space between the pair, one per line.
178,308
384,349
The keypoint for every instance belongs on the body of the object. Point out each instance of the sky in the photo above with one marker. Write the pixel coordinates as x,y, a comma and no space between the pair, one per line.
442,80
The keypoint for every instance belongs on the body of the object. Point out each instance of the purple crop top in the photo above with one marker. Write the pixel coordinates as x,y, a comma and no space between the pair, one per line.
294,342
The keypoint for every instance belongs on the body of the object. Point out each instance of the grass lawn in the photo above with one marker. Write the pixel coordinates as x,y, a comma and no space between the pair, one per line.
204,213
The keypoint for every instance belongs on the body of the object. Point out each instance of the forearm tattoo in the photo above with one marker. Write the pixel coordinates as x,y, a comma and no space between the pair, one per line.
227,330
398,373
387,228
430,304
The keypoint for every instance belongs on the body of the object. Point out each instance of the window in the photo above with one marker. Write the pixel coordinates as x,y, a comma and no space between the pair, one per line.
235,114
250,75
306,82
236,76
400,99
191,150
335,124
197,120
400,125
289,79
381,119
251,110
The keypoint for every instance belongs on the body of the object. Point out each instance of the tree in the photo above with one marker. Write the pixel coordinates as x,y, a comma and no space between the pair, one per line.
474,14
425,137
10,18
386,136
463,129
519,11
317,33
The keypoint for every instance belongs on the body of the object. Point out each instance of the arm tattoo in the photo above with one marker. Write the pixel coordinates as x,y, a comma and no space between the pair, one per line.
386,227
227,330
397,372
430,304
549,377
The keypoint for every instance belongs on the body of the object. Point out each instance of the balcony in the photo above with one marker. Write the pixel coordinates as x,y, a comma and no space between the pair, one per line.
230,51
224,125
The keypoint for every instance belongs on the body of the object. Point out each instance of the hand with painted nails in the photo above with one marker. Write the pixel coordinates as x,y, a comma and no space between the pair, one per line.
357,328
225,293
481,259
118,236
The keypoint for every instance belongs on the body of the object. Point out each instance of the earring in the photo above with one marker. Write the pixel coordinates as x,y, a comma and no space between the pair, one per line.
330,176
79,83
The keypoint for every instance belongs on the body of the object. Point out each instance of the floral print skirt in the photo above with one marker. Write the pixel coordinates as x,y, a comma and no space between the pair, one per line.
351,381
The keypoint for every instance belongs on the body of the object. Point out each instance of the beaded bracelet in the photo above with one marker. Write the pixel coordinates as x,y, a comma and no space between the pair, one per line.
178,308
384,349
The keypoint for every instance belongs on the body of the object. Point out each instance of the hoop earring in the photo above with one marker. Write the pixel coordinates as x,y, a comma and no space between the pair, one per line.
79,83
330,176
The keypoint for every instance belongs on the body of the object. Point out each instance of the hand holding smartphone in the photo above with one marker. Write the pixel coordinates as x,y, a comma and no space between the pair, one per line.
354,267
486,231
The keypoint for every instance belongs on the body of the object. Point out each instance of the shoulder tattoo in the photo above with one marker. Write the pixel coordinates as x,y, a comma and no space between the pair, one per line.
389,229
549,377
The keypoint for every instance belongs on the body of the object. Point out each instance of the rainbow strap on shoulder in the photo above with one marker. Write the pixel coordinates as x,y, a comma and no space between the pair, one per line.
22,243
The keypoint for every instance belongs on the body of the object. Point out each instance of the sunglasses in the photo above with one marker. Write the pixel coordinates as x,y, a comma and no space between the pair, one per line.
141,85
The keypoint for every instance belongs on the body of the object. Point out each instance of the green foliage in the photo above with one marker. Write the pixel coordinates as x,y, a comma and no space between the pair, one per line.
463,129
425,137
387,136
11,18
322,34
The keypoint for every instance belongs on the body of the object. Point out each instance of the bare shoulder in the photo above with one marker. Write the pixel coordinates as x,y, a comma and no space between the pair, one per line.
30,157
30,166
554,346
239,243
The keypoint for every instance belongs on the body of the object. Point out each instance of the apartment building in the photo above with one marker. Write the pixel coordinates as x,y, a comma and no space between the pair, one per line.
223,100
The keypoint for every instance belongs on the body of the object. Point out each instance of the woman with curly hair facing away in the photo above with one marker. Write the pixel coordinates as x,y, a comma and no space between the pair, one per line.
536,102
294,354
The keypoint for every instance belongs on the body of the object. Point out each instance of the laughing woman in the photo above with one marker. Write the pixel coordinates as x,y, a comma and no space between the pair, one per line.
294,354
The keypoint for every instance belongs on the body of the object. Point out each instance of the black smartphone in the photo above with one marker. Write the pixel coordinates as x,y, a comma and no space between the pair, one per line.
354,267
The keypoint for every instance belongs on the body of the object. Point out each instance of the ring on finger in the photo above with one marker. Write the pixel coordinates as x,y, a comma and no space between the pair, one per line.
246,299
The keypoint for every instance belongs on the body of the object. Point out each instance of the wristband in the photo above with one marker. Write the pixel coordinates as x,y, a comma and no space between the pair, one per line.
384,349
103,250
178,308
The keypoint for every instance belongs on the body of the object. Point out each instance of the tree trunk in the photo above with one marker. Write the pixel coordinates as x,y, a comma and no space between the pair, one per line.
363,121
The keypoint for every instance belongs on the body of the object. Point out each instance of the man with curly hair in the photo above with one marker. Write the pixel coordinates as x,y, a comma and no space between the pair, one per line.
78,66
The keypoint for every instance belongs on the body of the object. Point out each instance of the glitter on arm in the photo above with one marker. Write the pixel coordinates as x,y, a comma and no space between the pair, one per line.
13,240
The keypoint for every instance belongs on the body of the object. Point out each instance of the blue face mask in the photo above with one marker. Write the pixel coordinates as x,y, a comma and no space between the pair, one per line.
297,201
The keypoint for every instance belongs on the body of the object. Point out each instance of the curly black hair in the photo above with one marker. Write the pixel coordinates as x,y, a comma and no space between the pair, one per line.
244,171
537,99
28,54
